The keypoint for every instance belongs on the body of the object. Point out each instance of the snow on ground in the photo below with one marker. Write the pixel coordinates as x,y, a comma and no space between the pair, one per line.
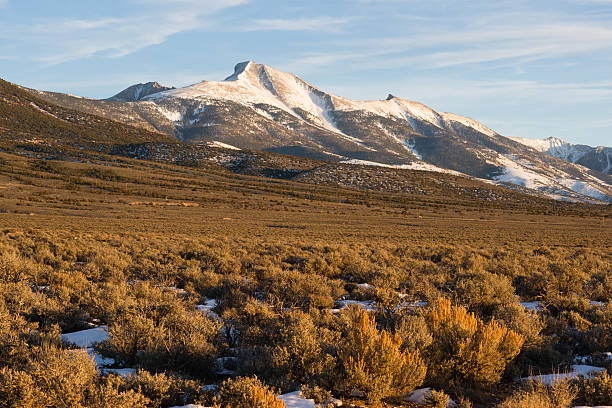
38,108
514,173
421,395
222,145
412,148
368,305
208,306
177,291
582,187
535,306
86,338
419,111
412,166
295,400
577,370
589,359
189,406
173,116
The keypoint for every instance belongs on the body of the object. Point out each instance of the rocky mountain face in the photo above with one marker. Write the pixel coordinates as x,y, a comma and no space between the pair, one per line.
595,158
138,92
261,108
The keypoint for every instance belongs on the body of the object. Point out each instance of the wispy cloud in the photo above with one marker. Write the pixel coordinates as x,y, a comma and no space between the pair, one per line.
299,24
3,3
72,39
508,45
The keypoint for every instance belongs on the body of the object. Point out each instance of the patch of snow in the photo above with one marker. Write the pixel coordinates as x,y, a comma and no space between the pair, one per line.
221,364
189,406
514,173
174,289
411,147
412,166
123,372
207,309
421,396
296,400
38,108
583,187
173,116
221,145
598,406
577,370
86,338
535,306
368,305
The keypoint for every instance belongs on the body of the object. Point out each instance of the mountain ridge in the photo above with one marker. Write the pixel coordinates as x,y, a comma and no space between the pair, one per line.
259,107
596,158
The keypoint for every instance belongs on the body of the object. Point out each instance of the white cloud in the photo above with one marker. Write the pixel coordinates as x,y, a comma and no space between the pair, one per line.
3,3
300,24
73,39
507,45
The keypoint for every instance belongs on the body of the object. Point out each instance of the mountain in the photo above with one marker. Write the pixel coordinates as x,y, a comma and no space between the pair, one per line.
137,92
596,158
261,108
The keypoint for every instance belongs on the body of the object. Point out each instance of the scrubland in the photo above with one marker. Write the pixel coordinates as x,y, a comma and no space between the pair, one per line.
261,287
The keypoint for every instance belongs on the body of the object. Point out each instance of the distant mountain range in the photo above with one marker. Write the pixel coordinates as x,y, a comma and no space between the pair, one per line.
596,158
261,108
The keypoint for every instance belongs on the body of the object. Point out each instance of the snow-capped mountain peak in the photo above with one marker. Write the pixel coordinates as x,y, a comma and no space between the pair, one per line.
597,158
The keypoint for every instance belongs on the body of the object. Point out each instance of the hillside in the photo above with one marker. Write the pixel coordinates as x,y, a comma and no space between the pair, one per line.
24,117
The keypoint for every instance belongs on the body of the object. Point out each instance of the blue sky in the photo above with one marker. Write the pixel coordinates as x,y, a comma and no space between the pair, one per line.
524,68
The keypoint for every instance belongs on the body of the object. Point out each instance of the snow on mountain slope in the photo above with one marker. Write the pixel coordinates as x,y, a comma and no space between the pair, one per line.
449,118
596,158
555,183
256,84
412,166
555,147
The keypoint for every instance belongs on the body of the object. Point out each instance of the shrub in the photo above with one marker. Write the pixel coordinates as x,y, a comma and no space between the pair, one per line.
109,393
437,399
414,333
374,362
286,349
596,390
177,340
486,292
246,392
294,289
165,390
465,349
539,395
63,379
